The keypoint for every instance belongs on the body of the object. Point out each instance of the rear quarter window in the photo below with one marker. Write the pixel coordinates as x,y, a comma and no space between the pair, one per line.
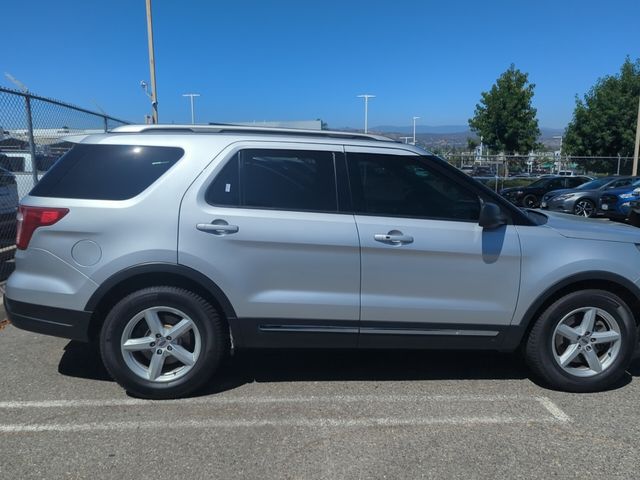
106,172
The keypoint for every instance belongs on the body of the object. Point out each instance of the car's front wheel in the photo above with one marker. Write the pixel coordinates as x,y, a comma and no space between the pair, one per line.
582,342
585,208
530,201
163,342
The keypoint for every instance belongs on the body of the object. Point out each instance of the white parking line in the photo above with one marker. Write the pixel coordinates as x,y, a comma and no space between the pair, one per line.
123,402
309,423
553,409
556,414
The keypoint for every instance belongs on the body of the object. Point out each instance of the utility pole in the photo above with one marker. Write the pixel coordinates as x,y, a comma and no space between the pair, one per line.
191,95
618,173
152,65
559,152
414,129
637,147
366,110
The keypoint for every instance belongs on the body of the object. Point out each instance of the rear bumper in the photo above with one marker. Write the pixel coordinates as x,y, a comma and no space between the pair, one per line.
58,322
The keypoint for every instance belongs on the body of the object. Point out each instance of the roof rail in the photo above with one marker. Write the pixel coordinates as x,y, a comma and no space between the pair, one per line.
222,128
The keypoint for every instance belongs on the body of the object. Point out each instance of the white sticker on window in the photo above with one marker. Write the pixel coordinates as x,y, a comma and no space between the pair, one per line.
227,188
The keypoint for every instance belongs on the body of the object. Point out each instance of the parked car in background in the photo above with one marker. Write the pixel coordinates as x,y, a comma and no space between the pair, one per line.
585,199
8,208
634,215
483,171
616,204
531,195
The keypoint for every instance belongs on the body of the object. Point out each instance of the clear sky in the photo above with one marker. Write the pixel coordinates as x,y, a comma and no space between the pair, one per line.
297,59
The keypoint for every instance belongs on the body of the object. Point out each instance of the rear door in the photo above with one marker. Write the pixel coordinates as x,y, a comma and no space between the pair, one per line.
430,274
263,224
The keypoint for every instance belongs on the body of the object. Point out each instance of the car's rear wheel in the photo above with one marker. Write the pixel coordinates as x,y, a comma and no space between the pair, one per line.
530,201
582,342
163,342
585,208
634,218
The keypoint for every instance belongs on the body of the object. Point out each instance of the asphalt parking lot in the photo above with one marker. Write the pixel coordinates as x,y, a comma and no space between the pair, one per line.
310,415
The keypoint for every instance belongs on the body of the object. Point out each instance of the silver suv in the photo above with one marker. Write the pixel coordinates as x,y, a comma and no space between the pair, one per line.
172,245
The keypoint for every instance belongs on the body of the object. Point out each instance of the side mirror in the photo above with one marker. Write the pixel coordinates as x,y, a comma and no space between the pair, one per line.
491,216
636,192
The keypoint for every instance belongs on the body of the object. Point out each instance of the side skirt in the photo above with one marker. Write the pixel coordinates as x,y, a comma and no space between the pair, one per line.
288,333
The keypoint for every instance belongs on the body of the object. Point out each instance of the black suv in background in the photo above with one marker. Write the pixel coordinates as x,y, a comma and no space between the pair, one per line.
531,195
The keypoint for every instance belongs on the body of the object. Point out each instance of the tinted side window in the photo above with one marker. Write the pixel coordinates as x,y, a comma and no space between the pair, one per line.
575,182
620,183
225,189
106,172
556,184
393,185
277,179
13,164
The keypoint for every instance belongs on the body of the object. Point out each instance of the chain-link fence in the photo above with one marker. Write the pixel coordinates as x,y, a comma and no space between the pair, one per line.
536,164
32,131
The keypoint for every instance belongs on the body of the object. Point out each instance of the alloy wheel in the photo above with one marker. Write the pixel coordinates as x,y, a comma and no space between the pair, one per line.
584,208
160,344
586,341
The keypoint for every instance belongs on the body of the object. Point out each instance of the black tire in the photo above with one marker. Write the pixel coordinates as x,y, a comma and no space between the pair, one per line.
584,205
530,201
213,334
634,219
539,353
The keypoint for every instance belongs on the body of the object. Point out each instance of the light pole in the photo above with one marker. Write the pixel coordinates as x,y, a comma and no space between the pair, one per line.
191,95
414,129
637,145
366,110
406,139
152,64
560,155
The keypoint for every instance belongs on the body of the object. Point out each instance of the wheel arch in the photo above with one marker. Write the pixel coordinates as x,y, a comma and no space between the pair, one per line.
601,280
154,274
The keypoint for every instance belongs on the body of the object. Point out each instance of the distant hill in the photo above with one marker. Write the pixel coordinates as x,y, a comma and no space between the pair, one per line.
422,129
453,135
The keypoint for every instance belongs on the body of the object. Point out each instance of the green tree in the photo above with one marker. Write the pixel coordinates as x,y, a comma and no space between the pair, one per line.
472,143
505,117
604,121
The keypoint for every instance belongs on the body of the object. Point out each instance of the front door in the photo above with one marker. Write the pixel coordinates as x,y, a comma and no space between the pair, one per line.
429,271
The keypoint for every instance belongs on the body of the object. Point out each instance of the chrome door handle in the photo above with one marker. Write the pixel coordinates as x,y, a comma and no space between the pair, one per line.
217,227
394,237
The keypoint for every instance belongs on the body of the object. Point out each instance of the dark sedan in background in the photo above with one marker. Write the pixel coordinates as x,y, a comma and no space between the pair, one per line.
585,199
531,195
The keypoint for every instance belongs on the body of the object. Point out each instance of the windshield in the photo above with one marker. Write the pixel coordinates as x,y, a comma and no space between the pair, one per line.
594,184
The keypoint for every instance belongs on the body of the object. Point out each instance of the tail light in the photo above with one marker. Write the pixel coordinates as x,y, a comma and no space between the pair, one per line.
30,218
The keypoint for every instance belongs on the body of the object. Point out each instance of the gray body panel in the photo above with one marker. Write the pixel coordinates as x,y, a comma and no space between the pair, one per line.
441,277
